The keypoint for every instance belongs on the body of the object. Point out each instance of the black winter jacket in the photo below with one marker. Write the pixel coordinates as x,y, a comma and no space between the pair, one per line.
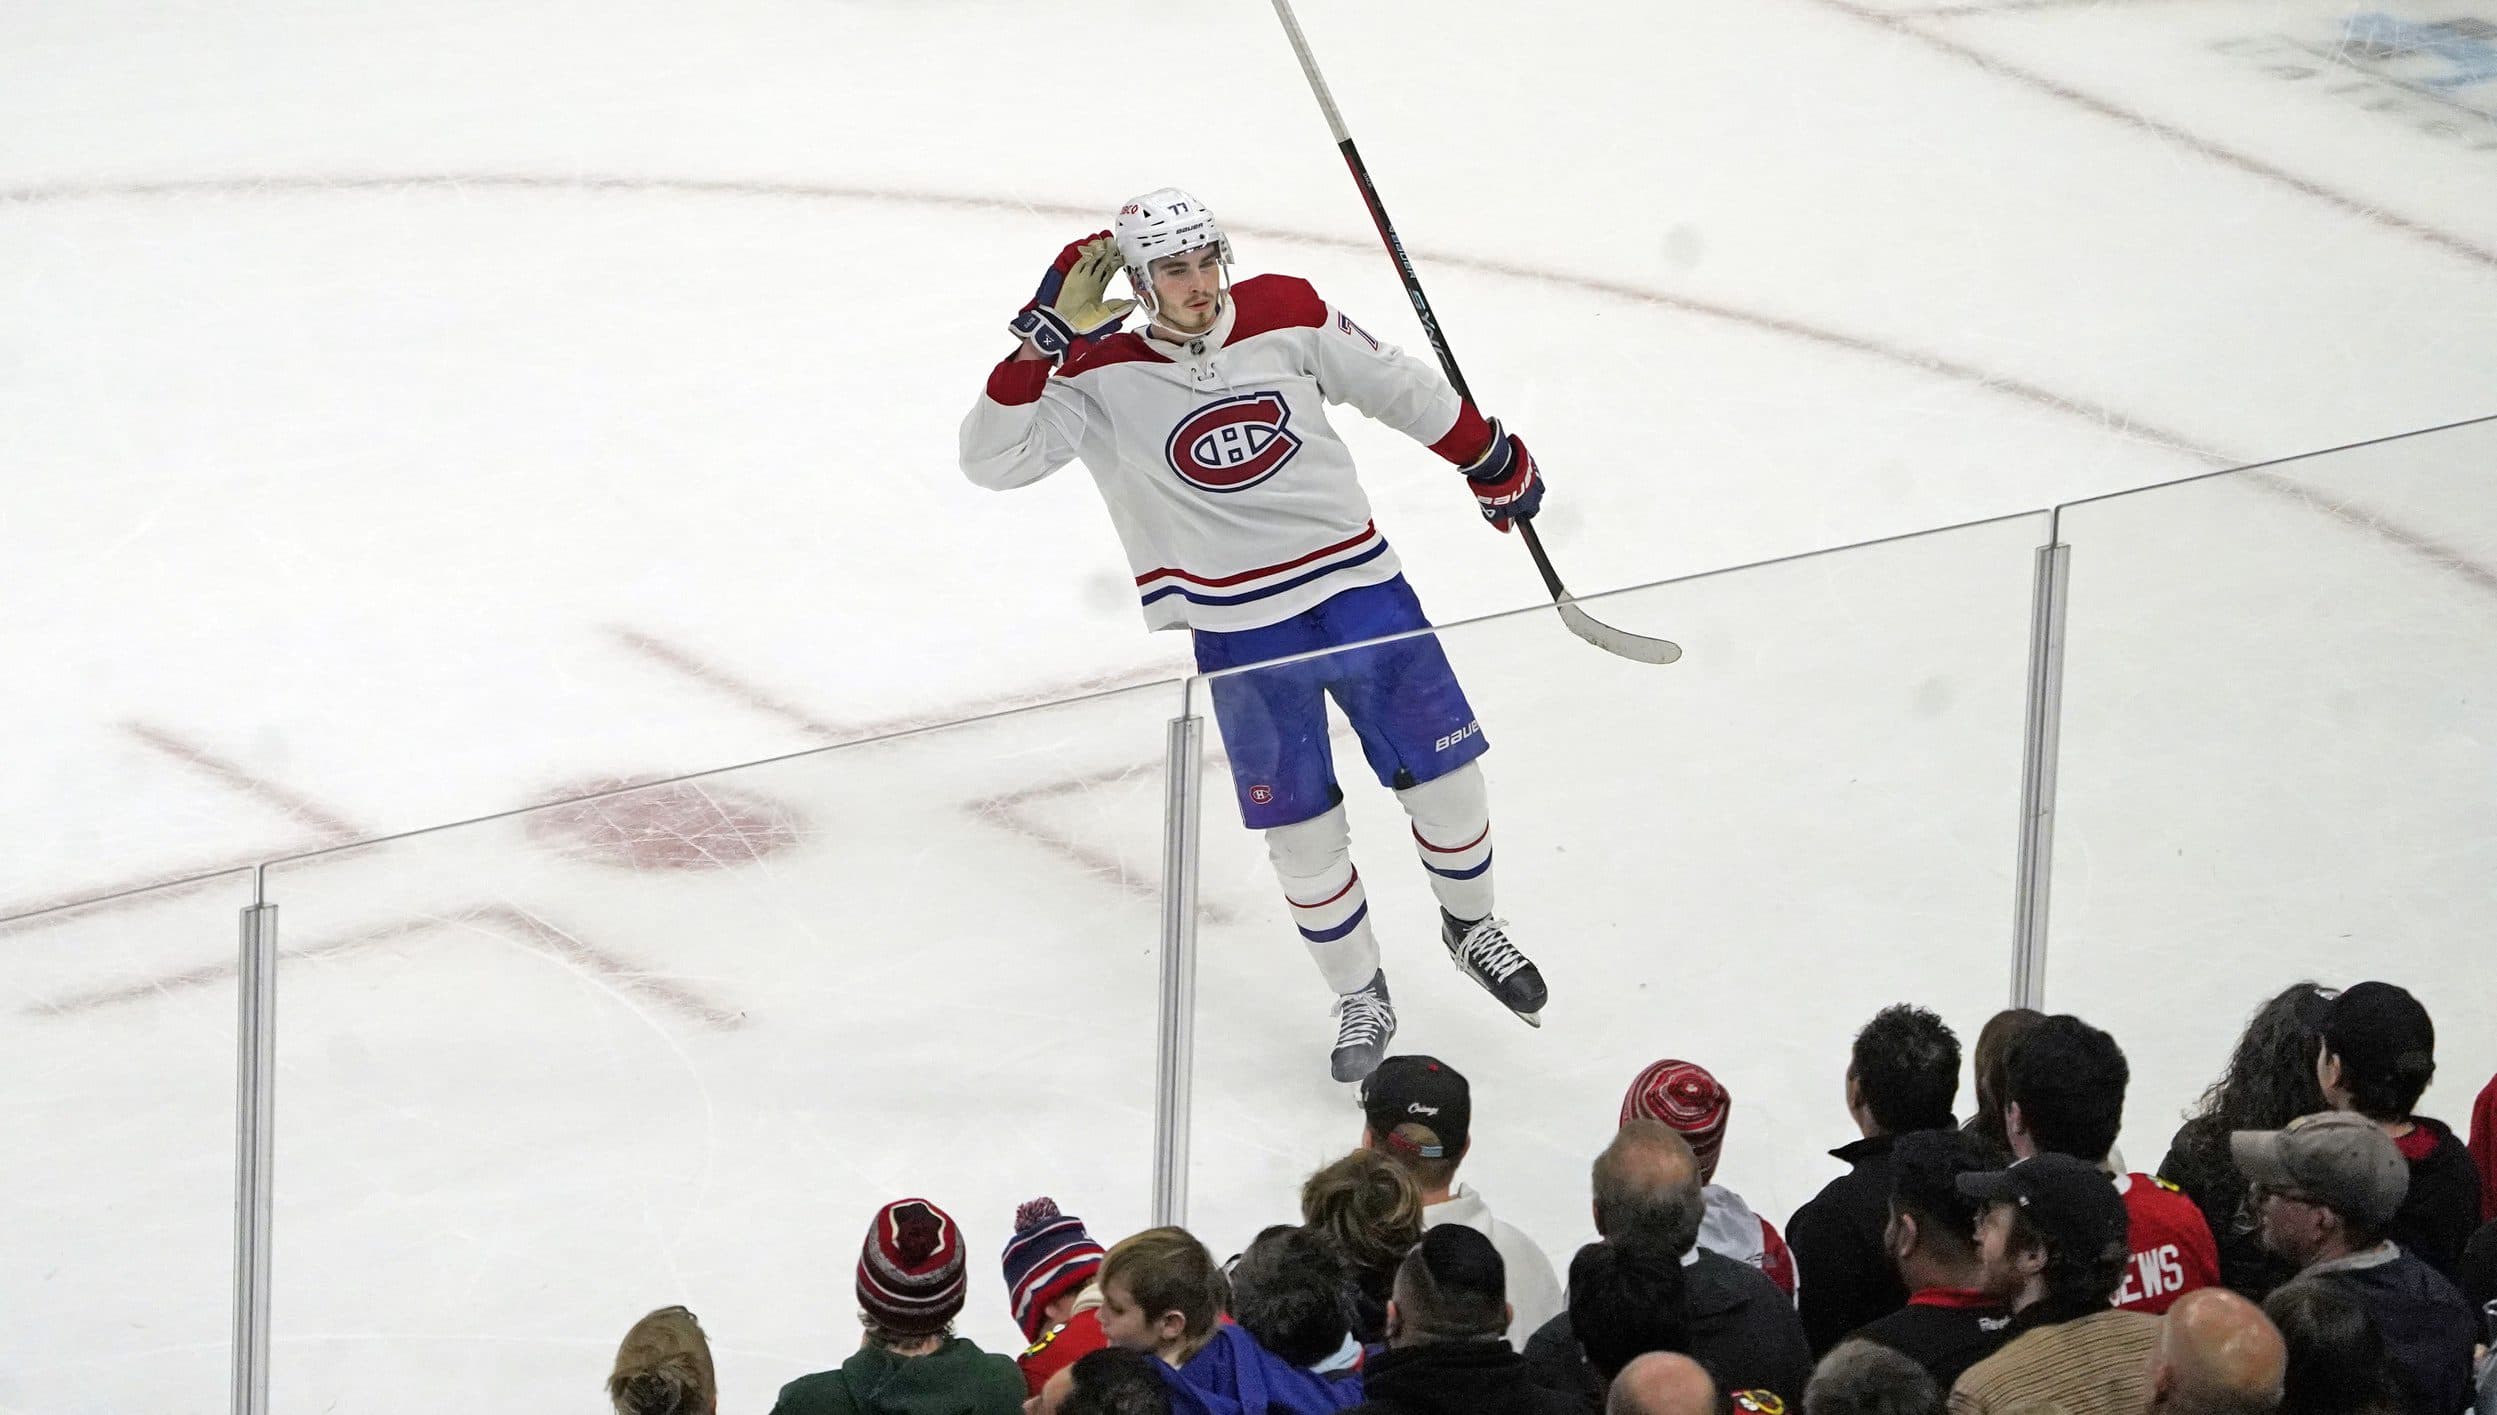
2428,1329
2198,1162
2442,1209
1455,1378
1741,1329
1843,1279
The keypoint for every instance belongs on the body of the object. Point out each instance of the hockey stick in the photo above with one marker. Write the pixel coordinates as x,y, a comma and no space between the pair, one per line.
1584,625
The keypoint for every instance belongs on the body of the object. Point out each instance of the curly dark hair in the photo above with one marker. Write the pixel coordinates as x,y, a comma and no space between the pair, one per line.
2270,1079
1906,1063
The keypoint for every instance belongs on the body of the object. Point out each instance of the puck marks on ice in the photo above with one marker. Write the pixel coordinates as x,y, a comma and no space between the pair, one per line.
676,825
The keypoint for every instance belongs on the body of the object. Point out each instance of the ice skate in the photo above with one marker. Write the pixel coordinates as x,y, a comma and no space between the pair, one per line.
1365,1024
1482,951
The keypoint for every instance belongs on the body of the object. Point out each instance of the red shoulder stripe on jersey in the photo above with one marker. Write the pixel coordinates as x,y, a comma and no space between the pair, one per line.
1015,382
1468,440
1218,581
1116,349
1263,304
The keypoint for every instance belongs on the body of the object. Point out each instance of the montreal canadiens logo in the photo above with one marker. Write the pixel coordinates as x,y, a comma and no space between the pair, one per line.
1234,444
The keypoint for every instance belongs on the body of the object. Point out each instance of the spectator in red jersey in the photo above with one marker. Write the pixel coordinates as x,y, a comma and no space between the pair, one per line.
664,1368
910,1287
1995,1041
2378,1054
1419,1111
1050,1264
1902,1075
2328,1189
1684,1095
1950,1322
2063,1093
2270,1081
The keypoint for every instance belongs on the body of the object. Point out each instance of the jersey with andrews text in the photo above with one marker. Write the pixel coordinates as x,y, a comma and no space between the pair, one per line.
2172,1249
1234,497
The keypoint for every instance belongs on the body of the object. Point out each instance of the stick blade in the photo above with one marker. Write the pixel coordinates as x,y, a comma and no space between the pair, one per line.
1615,641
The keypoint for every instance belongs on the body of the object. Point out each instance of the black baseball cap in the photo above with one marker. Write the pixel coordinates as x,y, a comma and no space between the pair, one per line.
2073,1202
1418,1093
2381,1033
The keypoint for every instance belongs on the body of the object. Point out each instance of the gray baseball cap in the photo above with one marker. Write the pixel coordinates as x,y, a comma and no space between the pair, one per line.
2339,1159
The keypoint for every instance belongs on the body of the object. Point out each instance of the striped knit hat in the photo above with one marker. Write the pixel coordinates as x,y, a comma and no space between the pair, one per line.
910,1278
1049,1256
1683,1095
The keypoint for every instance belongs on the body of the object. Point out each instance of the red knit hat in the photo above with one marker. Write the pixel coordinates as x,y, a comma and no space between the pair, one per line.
1683,1095
910,1273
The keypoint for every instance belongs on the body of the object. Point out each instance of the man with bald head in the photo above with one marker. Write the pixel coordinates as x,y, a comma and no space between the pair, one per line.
1663,1383
2218,1355
1741,1327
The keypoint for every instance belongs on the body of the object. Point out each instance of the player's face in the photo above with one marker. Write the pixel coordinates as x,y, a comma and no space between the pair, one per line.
1187,289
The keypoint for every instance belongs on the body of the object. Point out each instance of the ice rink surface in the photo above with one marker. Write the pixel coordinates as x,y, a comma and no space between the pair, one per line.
419,413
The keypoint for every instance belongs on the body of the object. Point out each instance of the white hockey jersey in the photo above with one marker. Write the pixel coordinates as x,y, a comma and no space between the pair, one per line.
1235,499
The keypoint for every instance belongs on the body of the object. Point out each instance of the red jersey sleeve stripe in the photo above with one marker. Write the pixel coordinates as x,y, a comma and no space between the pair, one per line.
1468,440
1015,382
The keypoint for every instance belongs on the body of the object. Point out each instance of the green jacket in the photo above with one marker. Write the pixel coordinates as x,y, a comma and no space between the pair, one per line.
957,1378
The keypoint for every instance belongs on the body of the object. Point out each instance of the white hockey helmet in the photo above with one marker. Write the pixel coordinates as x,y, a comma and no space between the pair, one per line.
1164,223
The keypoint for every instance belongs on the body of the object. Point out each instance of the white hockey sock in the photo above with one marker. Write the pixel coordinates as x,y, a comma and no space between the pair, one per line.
1452,833
1314,860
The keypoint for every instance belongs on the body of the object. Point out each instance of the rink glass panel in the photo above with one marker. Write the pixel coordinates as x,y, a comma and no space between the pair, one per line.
118,1236
543,1073
1735,859
2280,757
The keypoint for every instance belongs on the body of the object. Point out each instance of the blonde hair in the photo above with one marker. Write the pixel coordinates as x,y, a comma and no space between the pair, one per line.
664,1368
1368,1208
1168,1270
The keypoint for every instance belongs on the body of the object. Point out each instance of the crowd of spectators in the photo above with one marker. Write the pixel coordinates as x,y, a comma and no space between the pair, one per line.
2309,1245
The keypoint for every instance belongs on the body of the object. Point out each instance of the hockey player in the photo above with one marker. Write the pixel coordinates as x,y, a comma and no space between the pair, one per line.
1241,514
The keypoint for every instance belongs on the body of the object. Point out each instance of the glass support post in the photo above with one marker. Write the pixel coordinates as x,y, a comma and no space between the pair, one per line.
2049,598
1175,1058
254,1149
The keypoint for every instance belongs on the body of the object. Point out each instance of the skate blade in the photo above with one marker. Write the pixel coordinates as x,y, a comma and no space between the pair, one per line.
1532,1019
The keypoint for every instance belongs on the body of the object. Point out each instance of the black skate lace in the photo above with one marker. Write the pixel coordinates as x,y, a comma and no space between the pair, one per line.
1364,1019
1488,951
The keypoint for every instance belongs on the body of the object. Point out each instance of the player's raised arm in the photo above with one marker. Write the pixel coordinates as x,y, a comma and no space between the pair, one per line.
1023,427
1409,395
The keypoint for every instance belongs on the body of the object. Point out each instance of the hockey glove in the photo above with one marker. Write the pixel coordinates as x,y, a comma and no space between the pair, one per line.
1506,483
1073,300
